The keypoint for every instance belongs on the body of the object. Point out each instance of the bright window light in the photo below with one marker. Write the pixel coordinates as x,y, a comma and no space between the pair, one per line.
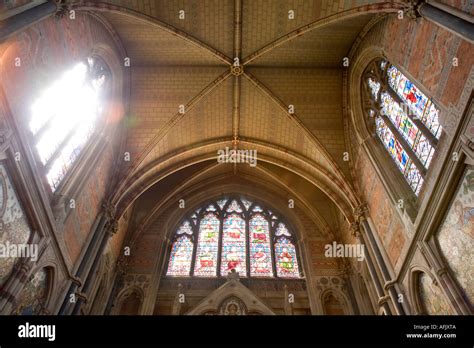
64,116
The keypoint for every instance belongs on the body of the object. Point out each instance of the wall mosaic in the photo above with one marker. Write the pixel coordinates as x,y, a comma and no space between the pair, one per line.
431,296
34,295
456,236
14,228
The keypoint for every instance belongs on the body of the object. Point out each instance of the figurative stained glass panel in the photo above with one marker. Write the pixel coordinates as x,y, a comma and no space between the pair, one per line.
415,99
206,254
403,161
245,244
181,256
260,253
234,245
34,295
14,227
285,257
407,129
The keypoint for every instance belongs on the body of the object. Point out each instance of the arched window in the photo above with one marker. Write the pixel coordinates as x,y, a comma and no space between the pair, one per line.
233,234
64,115
405,120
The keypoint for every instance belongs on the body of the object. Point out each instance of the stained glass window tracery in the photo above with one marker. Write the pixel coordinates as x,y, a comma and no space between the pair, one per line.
406,121
64,116
235,239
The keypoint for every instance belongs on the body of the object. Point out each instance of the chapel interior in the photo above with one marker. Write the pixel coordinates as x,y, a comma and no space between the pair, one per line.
236,157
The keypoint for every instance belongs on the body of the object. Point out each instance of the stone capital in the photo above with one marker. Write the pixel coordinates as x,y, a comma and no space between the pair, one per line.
412,9
360,211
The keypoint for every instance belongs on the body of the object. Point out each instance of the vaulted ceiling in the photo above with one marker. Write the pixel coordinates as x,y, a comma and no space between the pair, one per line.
289,53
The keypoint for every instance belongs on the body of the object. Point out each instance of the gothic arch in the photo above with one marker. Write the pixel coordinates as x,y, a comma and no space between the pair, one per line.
395,184
32,292
335,297
338,191
414,289
132,296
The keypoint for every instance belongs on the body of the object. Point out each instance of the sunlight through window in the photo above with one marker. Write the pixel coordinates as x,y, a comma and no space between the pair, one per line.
64,116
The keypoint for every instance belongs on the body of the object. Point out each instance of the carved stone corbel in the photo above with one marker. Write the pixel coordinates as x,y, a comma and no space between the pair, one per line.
62,8
412,9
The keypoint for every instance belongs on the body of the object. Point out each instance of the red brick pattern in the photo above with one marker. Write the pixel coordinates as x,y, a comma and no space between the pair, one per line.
45,50
425,51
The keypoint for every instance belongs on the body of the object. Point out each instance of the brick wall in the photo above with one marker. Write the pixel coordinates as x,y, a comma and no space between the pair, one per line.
426,52
44,51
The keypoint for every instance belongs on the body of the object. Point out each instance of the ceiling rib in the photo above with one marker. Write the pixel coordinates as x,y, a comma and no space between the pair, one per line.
175,119
387,6
109,8
293,117
237,83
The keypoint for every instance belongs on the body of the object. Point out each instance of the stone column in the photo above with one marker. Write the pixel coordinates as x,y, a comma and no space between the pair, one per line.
451,19
110,229
389,285
23,20
356,231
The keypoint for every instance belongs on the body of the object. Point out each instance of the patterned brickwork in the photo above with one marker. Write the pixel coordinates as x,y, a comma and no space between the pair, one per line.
45,50
425,51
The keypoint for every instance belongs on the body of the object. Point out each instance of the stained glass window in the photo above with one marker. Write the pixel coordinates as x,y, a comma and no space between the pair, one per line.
181,255
286,262
407,129
403,122
236,239
260,252
415,99
401,158
64,115
233,245
206,255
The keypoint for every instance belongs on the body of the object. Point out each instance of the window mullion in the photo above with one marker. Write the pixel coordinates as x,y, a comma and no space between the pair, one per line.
413,157
57,152
421,126
247,243
219,245
196,241
272,245
37,136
